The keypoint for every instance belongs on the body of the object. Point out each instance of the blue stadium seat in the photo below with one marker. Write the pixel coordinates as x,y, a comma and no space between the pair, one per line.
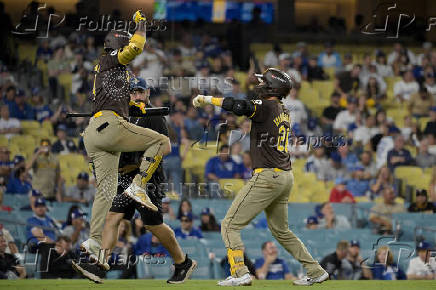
194,248
16,200
204,269
114,274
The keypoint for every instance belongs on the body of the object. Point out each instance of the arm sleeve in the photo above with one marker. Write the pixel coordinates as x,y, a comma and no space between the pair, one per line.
129,52
241,107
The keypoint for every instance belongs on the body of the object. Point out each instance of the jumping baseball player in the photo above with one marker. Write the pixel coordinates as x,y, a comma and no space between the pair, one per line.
108,133
272,179
124,207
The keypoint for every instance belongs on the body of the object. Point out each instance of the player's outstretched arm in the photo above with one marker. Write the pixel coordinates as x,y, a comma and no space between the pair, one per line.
239,107
137,42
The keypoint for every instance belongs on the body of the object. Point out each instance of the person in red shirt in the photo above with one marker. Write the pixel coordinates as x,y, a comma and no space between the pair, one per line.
340,193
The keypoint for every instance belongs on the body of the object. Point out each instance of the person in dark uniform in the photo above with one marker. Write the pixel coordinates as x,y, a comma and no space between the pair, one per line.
124,207
108,133
272,180
421,203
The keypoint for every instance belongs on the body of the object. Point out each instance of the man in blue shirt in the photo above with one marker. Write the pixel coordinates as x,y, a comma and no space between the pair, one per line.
222,166
148,244
187,231
20,109
399,156
270,267
358,185
40,227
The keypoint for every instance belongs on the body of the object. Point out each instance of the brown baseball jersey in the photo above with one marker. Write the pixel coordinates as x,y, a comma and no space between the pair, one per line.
269,137
111,85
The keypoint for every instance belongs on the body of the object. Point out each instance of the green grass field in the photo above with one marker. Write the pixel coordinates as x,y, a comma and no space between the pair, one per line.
209,284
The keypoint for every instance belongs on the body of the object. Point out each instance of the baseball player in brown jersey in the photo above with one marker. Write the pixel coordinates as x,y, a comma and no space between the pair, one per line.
109,133
272,180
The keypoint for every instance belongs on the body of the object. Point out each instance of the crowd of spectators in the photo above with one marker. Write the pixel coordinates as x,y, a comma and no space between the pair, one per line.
363,166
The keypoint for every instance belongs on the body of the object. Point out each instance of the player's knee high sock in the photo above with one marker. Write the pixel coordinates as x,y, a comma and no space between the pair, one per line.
236,261
150,161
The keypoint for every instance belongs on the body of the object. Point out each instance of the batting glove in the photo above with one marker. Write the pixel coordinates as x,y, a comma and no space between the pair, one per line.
200,101
138,16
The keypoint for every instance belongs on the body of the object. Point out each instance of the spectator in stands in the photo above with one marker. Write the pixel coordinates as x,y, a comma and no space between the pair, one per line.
82,192
424,159
339,193
404,89
314,71
186,230
222,166
430,84
40,227
318,163
11,247
421,203
363,133
399,49
369,169
332,263
348,82
312,223
336,169
358,185
422,267
384,180
63,145
46,171
399,156
329,58
328,218
19,162
76,227
381,213
9,97
57,264
430,127
19,183
10,267
420,103
351,267
242,135
44,52
33,196
330,113
385,144
384,267
432,186
149,245
185,208
270,267
348,158
56,66
20,109
9,127
271,58
42,111
60,118
208,221
296,108
167,210
346,117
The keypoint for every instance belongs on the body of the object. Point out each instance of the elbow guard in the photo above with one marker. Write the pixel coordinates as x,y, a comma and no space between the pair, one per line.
239,107
129,52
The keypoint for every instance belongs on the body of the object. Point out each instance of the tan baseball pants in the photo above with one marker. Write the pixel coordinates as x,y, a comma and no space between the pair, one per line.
106,136
269,191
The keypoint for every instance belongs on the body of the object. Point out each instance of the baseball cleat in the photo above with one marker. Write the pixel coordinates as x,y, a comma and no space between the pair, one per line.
307,281
139,195
236,281
183,272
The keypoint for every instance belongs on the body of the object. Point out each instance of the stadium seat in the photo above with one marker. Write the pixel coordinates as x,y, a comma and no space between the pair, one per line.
325,88
231,187
29,127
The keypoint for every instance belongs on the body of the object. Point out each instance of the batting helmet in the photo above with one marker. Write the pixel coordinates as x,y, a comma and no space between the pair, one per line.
115,40
273,82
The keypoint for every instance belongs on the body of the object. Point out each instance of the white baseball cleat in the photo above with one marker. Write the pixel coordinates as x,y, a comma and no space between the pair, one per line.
92,248
307,281
138,194
236,281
